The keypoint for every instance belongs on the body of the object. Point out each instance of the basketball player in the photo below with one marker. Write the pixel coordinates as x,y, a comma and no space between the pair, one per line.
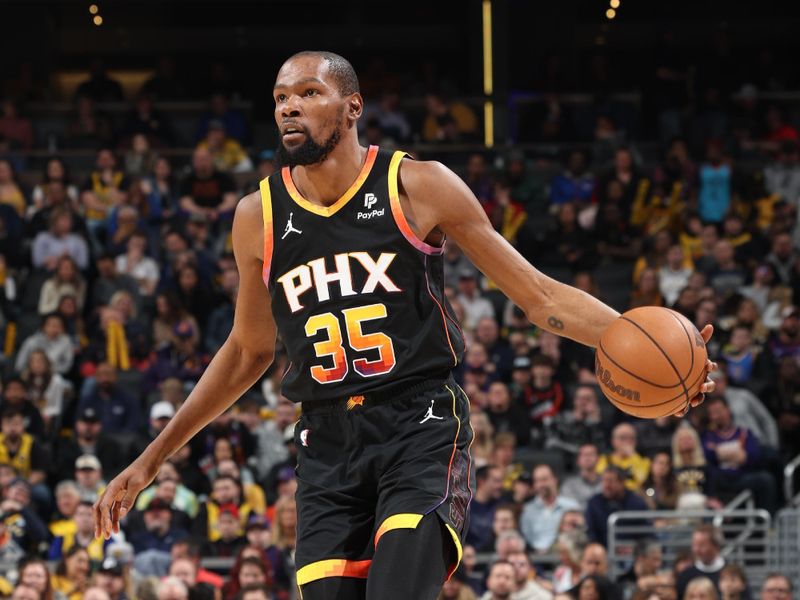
349,242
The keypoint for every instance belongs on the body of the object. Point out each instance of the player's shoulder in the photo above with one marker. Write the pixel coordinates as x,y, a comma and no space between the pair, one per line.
417,176
250,205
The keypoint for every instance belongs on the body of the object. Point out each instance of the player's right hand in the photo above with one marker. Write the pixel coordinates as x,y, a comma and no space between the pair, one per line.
118,498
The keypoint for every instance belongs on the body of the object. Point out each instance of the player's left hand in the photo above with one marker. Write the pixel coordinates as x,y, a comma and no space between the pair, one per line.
709,385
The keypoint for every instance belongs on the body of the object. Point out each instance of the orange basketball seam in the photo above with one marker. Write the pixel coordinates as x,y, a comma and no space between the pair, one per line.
688,337
634,375
660,349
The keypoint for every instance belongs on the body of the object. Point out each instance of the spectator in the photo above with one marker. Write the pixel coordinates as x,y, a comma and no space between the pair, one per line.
159,532
527,587
447,120
71,577
111,578
205,190
103,190
68,498
88,438
220,321
135,263
782,257
501,582
624,456
15,396
614,497
547,394
714,196
734,455
488,492
747,410
691,470
476,307
33,573
226,491
89,477
15,128
147,121
542,515
777,587
11,194
22,517
647,559
171,588
661,488
567,574
10,550
594,561
733,583
117,409
655,435
182,359
727,276
227,154
576,184
89,127
708,561
583,425
49,246
674,275
168,486
55,172
66,281
230,539
232,118
21,450
587,481
700,588
506,415
83,536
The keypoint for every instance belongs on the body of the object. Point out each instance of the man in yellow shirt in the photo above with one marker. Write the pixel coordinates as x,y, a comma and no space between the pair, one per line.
228,154
624,457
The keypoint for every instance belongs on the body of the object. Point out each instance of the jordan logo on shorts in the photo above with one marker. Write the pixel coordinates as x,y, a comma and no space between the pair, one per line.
290,228
429,415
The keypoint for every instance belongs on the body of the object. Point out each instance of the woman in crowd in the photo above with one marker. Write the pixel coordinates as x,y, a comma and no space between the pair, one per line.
71,577
33,572
55,171
661,488
66,281
49,391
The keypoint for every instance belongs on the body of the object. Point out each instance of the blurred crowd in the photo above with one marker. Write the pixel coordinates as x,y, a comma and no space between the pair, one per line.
118,284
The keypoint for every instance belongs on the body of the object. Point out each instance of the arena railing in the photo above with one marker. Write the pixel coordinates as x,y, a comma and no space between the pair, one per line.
784,549
792,496
746,534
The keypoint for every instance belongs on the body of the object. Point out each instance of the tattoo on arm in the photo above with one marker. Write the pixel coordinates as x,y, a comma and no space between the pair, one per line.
555,323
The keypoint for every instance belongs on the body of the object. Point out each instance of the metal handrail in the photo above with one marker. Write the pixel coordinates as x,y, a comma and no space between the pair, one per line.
788,482
650,515
744,498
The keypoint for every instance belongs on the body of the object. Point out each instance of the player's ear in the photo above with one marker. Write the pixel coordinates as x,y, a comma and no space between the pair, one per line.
355,106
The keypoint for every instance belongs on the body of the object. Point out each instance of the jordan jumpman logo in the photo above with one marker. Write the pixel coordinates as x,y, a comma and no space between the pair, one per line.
429,415
290,228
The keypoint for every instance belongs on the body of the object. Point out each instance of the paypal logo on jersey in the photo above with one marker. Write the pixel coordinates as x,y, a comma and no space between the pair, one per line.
369,201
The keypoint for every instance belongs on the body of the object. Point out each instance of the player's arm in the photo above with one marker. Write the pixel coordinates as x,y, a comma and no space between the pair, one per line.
454,211
241,360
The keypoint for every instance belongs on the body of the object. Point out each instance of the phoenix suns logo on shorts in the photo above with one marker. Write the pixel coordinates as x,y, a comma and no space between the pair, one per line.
604,378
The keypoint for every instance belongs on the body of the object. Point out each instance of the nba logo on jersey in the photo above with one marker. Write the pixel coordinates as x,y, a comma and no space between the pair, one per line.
369,201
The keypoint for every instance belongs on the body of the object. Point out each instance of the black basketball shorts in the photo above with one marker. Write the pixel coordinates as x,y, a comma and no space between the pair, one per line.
367,465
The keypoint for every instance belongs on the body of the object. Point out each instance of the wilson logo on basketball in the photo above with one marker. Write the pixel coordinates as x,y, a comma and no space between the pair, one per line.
604,377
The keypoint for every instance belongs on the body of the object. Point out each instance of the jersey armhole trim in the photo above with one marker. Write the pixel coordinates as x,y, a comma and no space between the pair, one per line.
397,209
266,210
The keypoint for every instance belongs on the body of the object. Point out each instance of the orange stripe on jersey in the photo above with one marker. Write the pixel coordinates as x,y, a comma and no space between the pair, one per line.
336,567
327,211
266,210
397,209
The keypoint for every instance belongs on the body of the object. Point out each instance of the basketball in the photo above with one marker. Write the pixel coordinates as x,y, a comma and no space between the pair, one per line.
650,362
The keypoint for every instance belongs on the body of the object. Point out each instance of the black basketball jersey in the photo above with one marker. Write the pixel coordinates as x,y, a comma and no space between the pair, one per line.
357,298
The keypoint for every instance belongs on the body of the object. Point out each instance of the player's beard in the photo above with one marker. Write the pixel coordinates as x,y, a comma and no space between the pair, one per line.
310,152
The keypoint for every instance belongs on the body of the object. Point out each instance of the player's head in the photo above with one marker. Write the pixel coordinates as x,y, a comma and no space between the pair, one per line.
317,103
